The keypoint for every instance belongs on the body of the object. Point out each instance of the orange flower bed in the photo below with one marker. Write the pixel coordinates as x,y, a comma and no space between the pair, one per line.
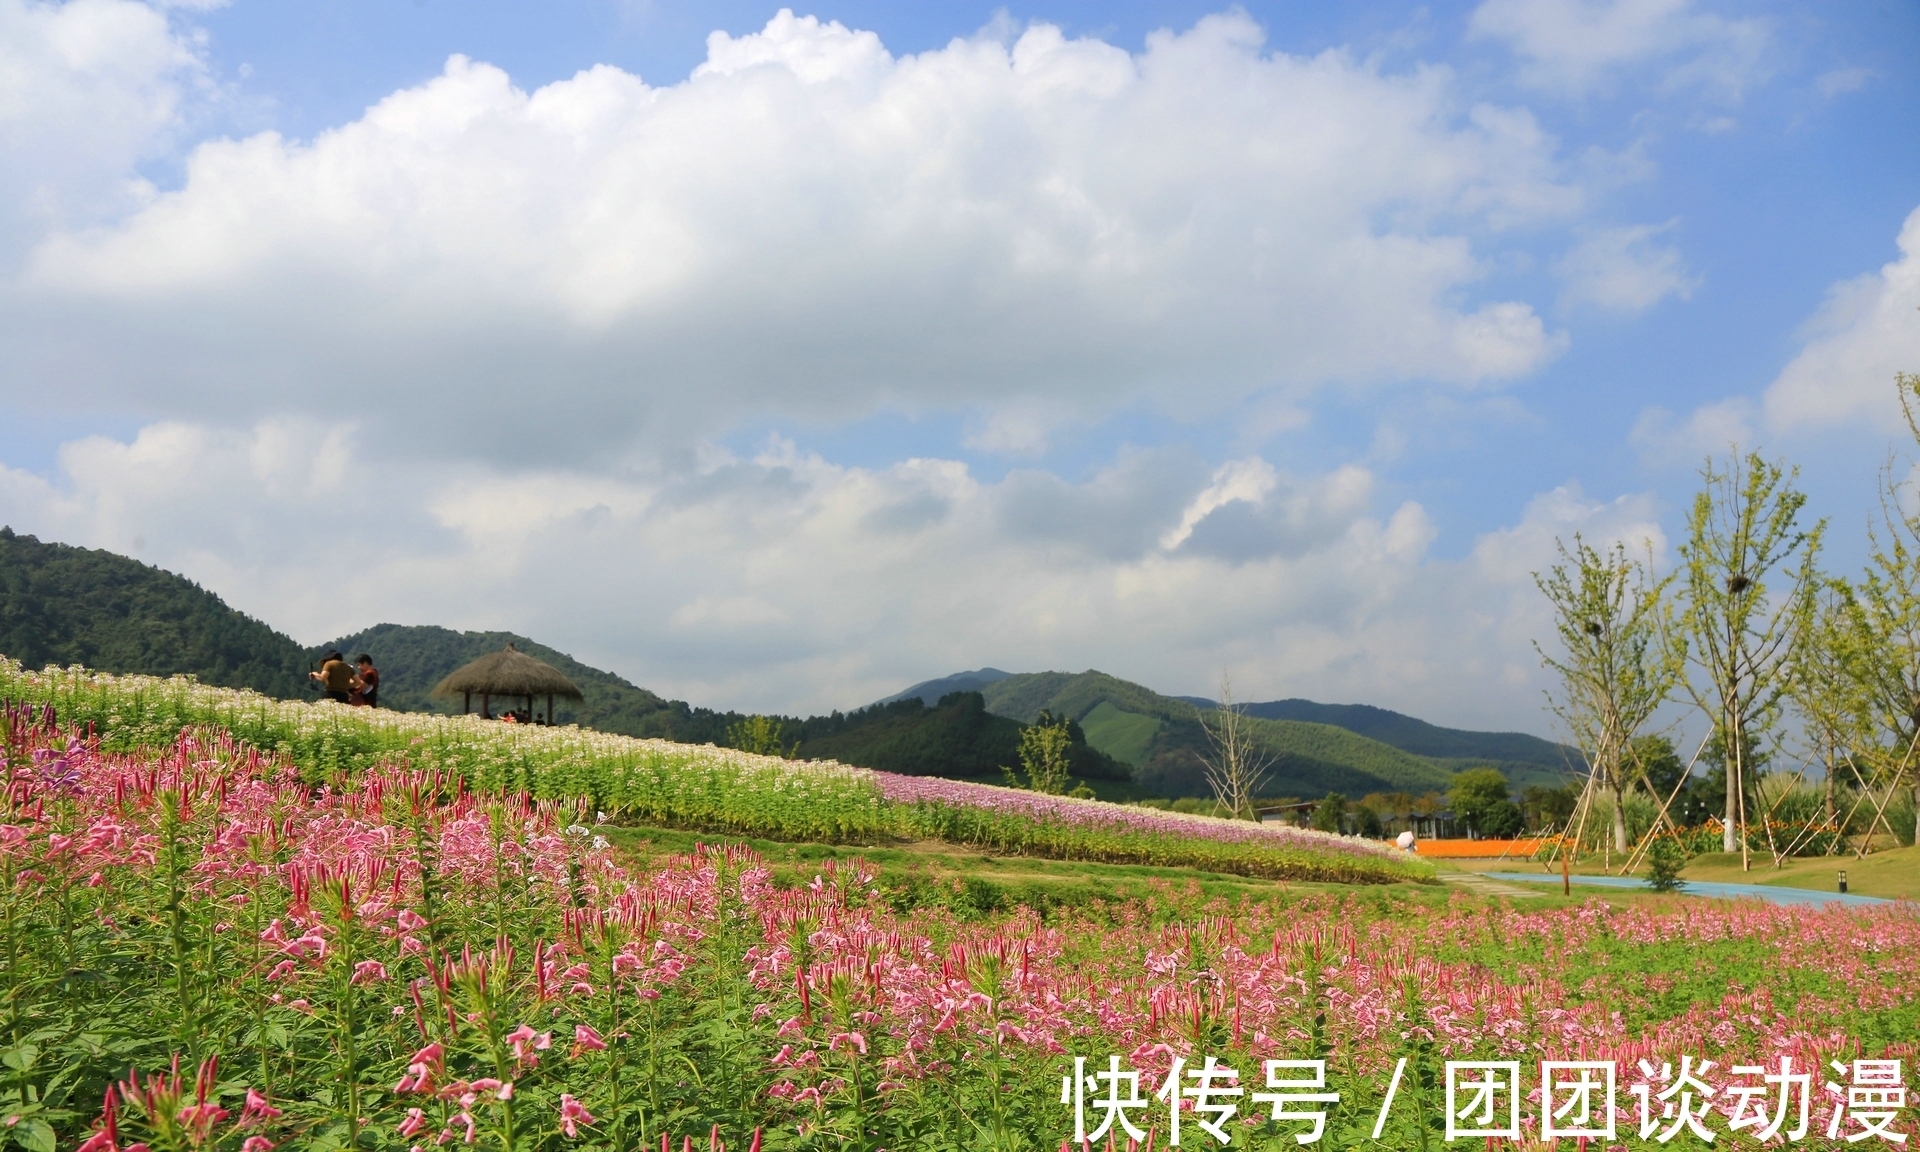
1468,849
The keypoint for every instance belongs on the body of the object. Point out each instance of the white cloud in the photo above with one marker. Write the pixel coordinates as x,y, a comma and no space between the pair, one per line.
1580,46
1624,270
88,88
1841,81
785,581
812,226
1668,441
1868,330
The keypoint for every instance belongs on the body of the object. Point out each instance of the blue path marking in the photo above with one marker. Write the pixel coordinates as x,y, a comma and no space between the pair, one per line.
1796,896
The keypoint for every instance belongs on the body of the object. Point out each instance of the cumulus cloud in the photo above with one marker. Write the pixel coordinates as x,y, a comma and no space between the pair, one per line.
811,225
781,580
1624,270
1575,47
88,89
1868,330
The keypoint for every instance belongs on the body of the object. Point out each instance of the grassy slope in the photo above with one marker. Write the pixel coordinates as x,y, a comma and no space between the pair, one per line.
1165,740
1892,873
1125,736
64,605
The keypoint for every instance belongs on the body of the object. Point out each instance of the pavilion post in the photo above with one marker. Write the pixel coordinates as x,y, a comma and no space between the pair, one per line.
486,710
466,703
549,709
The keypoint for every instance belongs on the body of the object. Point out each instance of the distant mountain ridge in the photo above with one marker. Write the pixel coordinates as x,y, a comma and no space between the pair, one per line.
1418,736
1353,749
929,692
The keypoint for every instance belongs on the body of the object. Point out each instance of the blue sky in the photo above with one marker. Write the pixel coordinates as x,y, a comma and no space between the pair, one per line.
777,360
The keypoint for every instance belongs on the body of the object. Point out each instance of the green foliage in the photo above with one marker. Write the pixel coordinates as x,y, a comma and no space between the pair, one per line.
1043,754
1614,666
1328,815
760,735
62,605
1665,858
1744,529
1475,795
1548,808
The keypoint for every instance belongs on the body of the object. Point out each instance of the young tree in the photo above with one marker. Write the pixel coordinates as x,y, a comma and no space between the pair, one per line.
1878,637
1824,682
1744,528
1236,765
761,736
1043,753
1614,672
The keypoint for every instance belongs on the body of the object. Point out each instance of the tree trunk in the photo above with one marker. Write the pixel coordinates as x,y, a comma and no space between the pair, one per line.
1619,819
1732,815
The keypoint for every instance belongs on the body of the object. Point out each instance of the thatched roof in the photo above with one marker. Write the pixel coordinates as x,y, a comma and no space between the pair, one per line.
508,672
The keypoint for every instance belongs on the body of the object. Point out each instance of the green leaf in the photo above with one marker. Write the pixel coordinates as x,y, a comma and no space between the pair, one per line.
34,1135
20,1057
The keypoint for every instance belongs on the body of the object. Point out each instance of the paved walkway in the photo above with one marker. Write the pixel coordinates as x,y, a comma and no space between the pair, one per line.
1482,883
1767,892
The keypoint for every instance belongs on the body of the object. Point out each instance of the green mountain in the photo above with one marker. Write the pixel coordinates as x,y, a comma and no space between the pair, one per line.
65,605
1314,748
1421,738
1162,737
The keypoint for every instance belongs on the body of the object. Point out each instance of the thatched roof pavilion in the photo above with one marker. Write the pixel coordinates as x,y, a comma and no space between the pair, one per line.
510,673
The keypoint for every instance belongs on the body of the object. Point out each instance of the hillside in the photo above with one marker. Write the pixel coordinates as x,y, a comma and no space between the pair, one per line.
65,605
1419,737
1162,737
413,658
955,737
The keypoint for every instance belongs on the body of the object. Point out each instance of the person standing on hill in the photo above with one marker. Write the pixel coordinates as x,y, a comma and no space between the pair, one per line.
366,684
334,677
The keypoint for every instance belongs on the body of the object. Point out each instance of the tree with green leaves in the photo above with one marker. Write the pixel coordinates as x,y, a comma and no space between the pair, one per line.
1614,669
761,735
1749,574
1878,636
1481,800
1824,682
1043,754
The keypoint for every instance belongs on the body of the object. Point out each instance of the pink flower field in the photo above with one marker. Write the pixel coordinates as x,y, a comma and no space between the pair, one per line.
206,952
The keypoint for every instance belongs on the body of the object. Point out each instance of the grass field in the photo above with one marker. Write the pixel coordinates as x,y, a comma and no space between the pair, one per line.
1891,873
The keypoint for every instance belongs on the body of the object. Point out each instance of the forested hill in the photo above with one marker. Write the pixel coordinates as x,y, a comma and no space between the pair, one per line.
413,658
1163,738
65,605
1419,737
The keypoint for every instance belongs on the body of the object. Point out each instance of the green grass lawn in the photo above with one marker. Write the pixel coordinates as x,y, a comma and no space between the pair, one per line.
1890,873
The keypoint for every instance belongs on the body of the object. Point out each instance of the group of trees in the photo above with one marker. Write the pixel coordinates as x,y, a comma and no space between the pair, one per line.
1776,654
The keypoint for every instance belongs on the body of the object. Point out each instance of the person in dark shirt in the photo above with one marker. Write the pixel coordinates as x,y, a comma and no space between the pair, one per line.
366,684
334,677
